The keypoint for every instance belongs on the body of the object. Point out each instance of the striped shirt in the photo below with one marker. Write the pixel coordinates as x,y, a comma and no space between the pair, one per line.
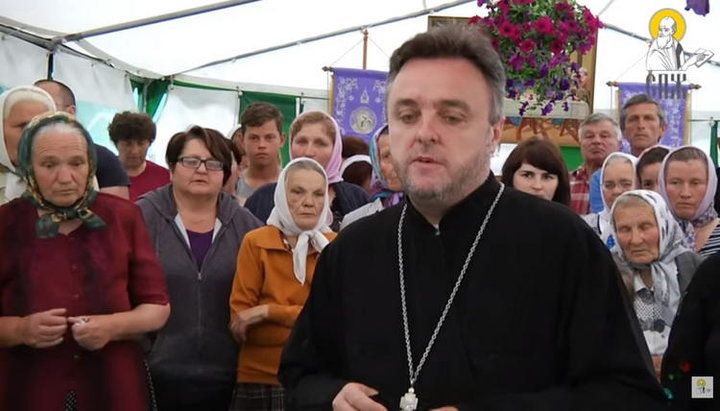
712,245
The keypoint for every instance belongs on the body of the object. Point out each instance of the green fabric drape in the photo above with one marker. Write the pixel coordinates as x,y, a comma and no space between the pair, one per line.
156,96
286,104
572,156
714,142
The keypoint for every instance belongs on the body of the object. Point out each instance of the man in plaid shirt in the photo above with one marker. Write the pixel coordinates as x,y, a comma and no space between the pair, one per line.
599,136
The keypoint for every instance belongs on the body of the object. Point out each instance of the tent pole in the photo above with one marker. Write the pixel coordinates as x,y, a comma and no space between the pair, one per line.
365,39
412,15
50,64
149,20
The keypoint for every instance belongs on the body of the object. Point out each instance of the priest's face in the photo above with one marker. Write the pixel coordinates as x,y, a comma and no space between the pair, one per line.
441,139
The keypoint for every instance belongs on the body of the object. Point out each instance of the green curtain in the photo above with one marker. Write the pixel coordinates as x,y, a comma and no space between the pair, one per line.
286,104
154,100
714,142
573,157
156,97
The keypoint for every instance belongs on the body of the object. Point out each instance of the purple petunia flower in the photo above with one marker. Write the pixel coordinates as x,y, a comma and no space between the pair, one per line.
564,84
543,70
523,108
547,109
516,62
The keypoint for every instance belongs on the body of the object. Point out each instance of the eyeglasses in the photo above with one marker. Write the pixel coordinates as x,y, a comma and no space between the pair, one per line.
194,162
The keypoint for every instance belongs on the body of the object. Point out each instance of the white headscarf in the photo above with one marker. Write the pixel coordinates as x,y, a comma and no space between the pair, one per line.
14,185
357,158
671,244
605,216
281,218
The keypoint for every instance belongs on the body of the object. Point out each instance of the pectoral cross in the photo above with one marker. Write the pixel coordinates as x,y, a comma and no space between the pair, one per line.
409,401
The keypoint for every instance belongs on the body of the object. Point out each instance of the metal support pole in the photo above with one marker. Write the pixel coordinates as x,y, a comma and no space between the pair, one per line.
149,20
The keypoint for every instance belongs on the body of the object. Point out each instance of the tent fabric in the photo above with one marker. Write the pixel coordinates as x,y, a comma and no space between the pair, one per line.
252,32
100,91
20,62
177,47
188,106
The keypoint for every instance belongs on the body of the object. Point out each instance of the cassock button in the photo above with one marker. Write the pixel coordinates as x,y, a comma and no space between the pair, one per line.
76,356
76,296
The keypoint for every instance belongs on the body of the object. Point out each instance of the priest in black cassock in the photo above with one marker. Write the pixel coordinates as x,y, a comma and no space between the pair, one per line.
469,295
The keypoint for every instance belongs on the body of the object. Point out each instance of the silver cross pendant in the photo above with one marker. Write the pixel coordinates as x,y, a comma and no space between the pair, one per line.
409,401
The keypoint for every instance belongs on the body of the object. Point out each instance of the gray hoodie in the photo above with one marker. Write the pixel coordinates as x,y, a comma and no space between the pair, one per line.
195,346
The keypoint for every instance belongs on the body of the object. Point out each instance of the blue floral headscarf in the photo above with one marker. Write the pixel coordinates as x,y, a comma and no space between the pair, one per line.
379,184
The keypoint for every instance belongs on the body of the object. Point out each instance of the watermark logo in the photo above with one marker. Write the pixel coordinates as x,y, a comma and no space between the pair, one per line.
667,27
702,387
666,60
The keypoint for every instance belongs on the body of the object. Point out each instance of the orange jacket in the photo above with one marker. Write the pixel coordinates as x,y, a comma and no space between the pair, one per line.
265,275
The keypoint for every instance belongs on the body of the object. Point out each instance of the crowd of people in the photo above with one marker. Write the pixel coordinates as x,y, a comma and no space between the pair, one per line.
398,272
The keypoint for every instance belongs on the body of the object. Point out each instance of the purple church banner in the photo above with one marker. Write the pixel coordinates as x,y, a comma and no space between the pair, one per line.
673,100
359,101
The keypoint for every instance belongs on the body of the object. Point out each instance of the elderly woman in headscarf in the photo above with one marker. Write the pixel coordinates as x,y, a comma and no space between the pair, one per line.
687,182
79,282
386,186
617,176
275,269
17,107
655,264
316,135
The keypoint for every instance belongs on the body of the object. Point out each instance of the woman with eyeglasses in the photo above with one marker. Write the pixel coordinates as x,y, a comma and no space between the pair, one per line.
197,231
617,176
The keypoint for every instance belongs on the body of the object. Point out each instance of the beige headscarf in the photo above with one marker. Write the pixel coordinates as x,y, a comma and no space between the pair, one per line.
11,184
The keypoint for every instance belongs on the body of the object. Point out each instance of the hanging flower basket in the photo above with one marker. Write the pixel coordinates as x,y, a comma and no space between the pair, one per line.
535,40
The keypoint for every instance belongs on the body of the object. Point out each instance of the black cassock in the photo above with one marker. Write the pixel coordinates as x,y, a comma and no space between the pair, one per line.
539,322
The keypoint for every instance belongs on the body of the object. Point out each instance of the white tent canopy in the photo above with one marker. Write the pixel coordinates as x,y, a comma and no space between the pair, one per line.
177,47
281,46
